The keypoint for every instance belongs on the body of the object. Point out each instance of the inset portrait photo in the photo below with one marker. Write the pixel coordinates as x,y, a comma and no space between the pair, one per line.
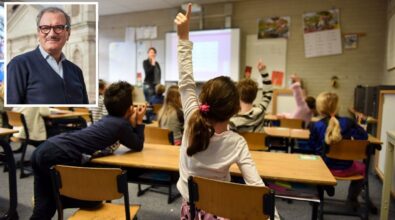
51,54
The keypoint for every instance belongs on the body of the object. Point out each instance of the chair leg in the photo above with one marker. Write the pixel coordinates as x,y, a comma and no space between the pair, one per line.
169,198
22,162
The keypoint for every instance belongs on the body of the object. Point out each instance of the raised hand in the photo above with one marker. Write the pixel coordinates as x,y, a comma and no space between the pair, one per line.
261,66
182,22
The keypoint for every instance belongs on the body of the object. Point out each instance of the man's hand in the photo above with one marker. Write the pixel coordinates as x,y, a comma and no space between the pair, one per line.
261,66
182,22
152,60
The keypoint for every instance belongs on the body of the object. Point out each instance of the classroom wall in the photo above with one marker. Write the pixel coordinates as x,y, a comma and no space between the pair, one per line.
389,76
364,65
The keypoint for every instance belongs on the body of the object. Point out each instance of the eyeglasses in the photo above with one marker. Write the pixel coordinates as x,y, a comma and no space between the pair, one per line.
45,29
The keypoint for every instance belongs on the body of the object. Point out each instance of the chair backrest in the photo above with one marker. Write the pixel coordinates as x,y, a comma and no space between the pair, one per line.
90,184
349,150
17,119
88,117
291,123
156,108
156,135
230,200
256,141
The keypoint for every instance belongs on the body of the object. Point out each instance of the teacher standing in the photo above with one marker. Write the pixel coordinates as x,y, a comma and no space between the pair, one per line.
152,73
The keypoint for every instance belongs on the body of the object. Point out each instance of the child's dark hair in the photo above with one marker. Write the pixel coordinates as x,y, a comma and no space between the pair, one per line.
219,102
248,89
102,84
118,98
310,101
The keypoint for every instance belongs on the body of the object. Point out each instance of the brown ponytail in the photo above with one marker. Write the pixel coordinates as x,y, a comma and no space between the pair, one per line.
200,132
220,99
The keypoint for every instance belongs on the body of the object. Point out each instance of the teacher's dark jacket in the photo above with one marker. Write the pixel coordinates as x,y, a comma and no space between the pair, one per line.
149,70
31,80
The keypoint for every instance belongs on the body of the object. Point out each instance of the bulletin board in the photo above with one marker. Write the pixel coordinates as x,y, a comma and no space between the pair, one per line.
273,53
141,55
391,43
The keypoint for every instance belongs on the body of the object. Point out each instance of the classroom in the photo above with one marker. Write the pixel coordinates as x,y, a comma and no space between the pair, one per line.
302,118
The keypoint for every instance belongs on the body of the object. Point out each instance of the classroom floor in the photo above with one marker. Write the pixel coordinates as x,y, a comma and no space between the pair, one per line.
154,205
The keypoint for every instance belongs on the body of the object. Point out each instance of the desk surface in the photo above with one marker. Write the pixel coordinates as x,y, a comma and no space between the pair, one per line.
274,166
6,131
305,134
277,131
67,114
271,117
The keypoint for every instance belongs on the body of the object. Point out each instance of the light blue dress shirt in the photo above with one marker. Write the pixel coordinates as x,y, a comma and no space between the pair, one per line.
57,67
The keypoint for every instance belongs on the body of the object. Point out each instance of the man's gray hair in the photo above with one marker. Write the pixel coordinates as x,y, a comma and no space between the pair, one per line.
53,10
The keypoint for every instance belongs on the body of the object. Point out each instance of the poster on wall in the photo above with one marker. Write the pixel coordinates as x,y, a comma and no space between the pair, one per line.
322,35
274,27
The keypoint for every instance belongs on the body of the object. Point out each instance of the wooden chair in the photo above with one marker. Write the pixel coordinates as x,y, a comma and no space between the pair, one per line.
93,184
17,119
156,135
230,200
256,141
359,150
291,123
88,117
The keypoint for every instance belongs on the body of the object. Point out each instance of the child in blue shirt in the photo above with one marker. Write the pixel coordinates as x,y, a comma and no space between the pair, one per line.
124,124
331,129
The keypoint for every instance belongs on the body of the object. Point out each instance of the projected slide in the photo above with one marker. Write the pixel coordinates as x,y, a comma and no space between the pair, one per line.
215,53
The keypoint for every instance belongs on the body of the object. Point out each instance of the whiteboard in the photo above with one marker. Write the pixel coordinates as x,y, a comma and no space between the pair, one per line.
273,53
121,65
387,124
141,55
285,104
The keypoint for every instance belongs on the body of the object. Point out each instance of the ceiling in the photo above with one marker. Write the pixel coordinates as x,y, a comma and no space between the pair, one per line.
110,7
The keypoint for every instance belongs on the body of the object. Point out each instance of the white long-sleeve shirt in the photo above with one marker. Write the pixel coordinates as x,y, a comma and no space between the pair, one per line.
224,149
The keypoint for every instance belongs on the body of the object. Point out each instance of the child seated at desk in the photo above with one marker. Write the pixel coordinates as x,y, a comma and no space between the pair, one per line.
72,148
171,116
208,148
250,118
158,97
331,129
34,122
305,107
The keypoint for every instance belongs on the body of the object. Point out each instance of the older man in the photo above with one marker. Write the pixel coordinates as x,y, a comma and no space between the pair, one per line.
44,75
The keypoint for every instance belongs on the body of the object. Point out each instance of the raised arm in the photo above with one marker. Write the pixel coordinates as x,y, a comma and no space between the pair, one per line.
186,82
267,90
297,90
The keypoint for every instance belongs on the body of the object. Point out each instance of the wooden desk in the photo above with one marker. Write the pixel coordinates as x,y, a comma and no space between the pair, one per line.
271,117
305,135
277,131
269,165
68,114
10,161
388,171
7,131
300,134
